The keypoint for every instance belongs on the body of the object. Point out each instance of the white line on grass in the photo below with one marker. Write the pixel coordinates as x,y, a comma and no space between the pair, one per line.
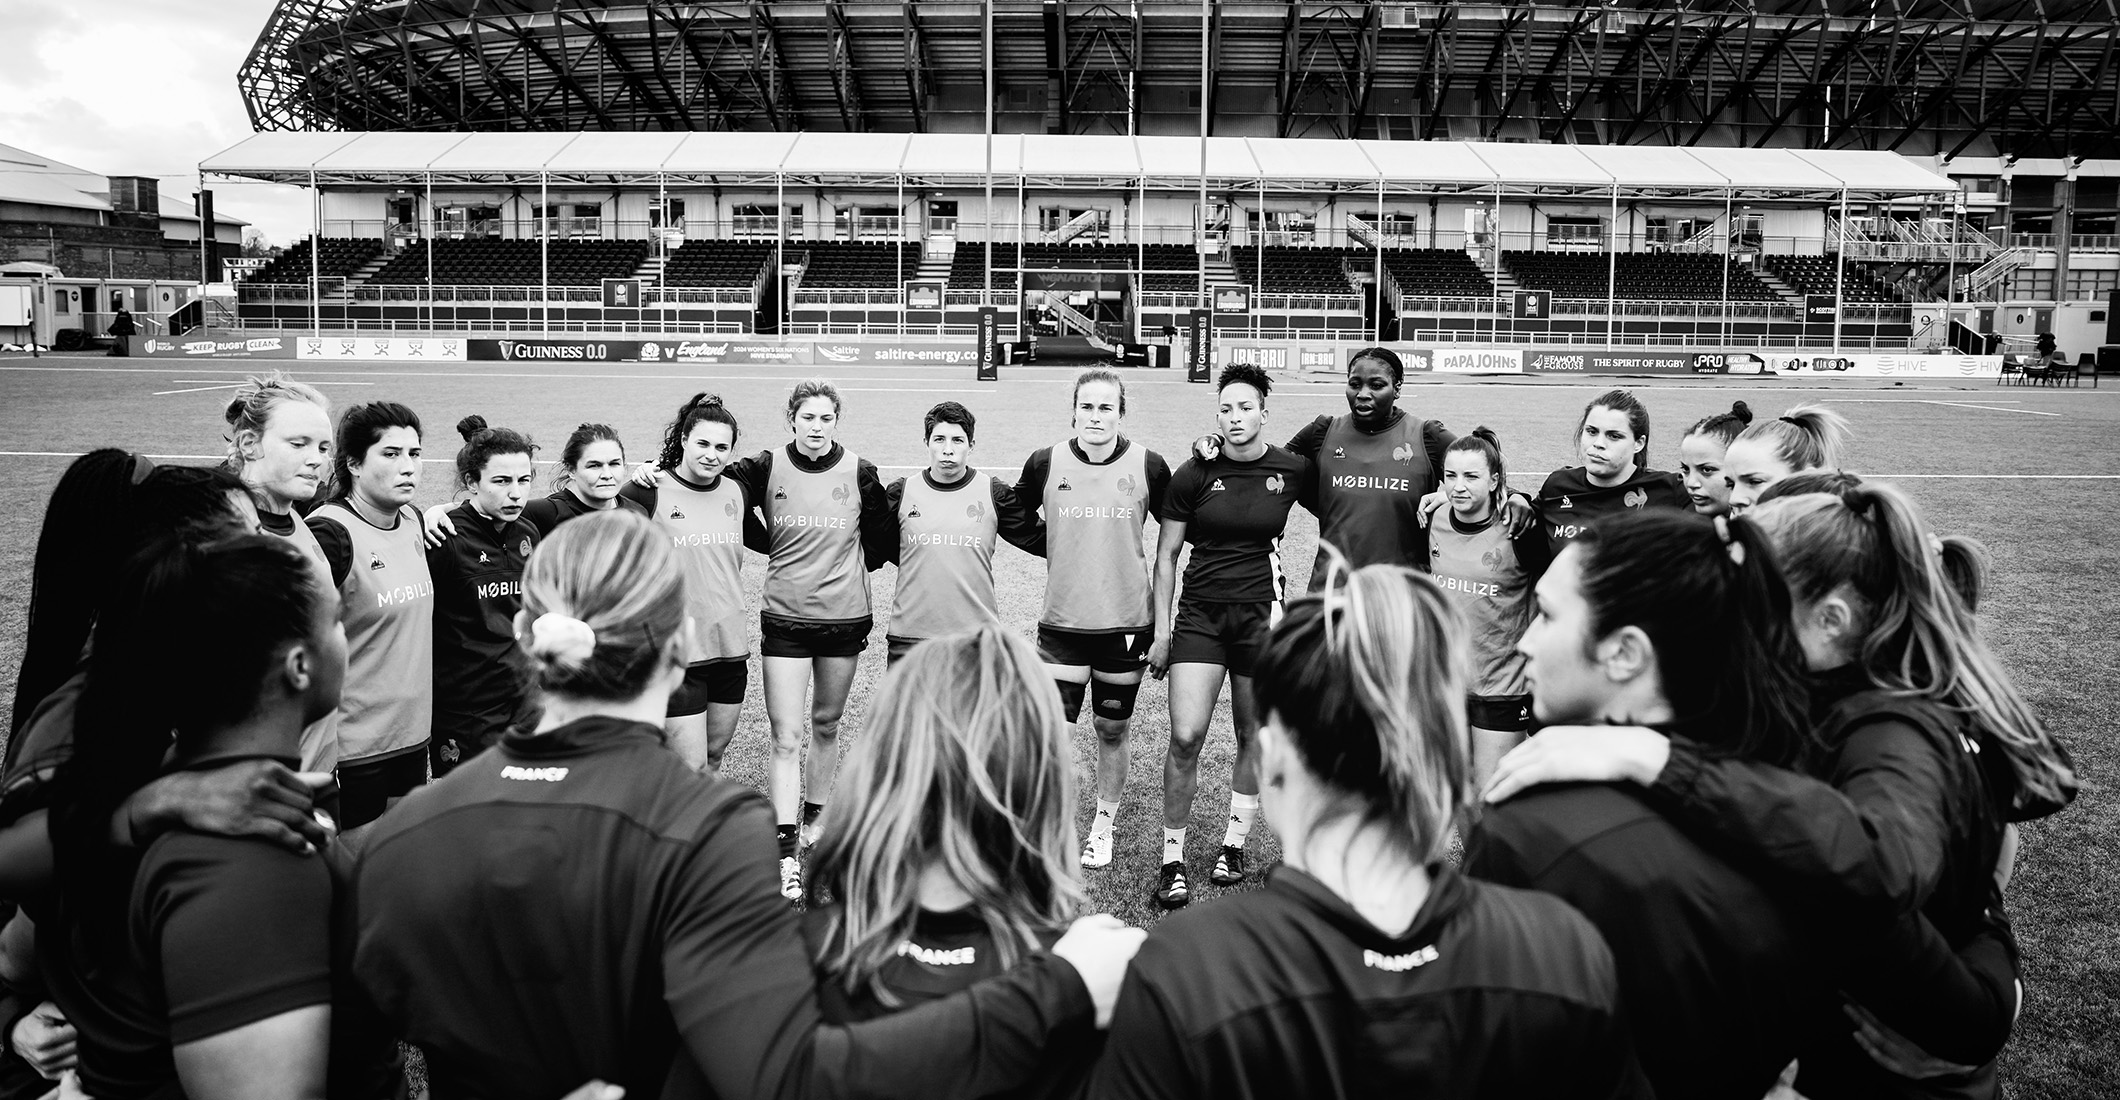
1990,408
198,389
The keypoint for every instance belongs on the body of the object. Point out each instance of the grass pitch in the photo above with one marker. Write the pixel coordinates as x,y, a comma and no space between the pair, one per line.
2030,472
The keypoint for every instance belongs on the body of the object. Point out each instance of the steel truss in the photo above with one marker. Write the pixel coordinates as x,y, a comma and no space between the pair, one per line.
1916,76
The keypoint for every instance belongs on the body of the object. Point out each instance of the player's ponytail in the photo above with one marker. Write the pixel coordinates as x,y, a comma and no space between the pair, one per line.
482,444
1807,437
701,408
1368,678
1723,426
231,609
1914,594
1716,609
612,599
1483,442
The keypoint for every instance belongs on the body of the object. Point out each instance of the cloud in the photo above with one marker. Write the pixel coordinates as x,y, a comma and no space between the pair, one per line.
140,88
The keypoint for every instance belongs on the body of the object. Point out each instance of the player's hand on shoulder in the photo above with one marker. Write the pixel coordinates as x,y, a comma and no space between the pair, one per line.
436,525
1208,447
1100,947
261,798
1517,513
1580,754
644,475
1429,505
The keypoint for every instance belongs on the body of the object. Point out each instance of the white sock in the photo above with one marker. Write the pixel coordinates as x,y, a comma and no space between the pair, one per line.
1243,810
1107,812
1173,845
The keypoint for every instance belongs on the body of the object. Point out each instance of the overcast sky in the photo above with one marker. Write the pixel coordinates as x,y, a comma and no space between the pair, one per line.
139,88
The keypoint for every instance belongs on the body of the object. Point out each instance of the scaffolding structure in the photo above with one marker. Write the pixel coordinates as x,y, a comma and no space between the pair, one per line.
1920,77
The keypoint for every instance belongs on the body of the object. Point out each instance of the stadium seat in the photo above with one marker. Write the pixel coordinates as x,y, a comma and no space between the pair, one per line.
1640,276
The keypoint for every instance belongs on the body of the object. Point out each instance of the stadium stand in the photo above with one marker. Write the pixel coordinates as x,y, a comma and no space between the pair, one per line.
1437,273
864,265
1296,269
717,263
1641,276
514,263
1814,275
336,258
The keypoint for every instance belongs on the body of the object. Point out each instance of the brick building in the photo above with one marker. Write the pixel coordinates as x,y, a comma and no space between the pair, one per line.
87,225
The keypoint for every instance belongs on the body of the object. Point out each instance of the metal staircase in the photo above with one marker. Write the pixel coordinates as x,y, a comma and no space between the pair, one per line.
1994,273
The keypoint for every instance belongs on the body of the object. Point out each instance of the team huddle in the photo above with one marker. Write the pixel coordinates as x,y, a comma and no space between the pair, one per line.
1695,784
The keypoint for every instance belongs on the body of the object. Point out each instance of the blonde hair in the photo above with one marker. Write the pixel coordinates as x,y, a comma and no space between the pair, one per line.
968,766
1914,595
251,409
1368,677
1807,437
803,391
616,572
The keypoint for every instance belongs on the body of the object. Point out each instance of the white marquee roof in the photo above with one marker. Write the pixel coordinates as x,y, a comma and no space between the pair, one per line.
1048,160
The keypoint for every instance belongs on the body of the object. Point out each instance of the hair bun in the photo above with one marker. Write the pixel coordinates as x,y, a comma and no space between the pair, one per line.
562,640
470,426
1487,433
1741,411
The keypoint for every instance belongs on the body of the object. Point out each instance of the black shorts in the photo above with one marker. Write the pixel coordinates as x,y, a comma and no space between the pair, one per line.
1114,654
896,648
721,681
1502,713
779,637
1226,634
368,787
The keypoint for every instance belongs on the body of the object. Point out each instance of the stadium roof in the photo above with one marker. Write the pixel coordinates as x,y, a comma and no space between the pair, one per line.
1962,77
1053,160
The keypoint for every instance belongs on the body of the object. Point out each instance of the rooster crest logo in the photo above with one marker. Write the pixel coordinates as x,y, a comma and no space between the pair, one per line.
375,561
841,494
1274,484
483,559
1635,498
728,508
974,510
1339,452
523,547
1402,453
1126,485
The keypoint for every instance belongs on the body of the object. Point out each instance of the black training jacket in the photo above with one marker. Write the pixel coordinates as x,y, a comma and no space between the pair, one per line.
1717,981
579,904
1287,993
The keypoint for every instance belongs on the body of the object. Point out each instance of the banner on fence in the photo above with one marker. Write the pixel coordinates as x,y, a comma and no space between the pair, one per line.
962,353
1581,361
386,349
555,351
1478,361
213,345
1866,365
725,350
